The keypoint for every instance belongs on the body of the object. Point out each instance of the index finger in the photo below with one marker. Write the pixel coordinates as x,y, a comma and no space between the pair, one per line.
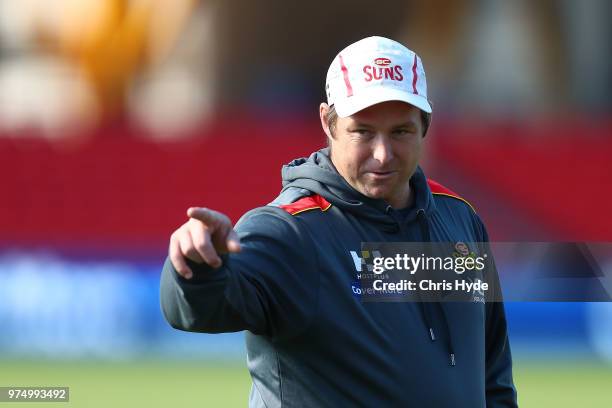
202,214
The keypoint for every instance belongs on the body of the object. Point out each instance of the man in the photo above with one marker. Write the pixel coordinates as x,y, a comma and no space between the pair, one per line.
287,272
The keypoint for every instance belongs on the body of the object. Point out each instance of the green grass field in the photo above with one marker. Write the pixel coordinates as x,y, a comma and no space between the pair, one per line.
154,384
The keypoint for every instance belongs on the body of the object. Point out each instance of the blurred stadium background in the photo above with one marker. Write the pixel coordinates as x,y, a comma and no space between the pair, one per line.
116,115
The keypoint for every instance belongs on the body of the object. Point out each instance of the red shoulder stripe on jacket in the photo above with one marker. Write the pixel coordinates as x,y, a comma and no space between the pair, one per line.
439,189
312,202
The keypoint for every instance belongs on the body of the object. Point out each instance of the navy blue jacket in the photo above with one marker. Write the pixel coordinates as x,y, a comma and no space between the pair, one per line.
310,341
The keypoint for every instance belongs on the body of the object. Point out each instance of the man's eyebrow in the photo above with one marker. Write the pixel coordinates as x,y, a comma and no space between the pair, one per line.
409,123
360,124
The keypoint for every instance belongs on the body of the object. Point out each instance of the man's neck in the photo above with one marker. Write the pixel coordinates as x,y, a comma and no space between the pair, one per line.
404,200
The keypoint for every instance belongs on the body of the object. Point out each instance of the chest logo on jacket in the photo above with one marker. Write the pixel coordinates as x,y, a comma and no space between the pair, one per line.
362,266
364,262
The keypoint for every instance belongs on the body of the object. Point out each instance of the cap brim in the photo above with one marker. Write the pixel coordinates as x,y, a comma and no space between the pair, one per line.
355,103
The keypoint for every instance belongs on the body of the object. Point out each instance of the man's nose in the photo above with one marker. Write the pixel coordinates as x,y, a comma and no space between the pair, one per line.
382,150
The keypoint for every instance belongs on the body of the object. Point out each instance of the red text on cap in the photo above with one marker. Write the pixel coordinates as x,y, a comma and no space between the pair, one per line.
377,73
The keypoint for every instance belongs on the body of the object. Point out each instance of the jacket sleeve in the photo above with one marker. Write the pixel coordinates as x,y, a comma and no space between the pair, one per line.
268,288
500,389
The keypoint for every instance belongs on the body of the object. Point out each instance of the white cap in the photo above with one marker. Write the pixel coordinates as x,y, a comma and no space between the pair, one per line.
375,70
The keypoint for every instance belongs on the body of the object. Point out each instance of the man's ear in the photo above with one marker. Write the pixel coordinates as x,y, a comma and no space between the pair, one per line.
427,119
323,110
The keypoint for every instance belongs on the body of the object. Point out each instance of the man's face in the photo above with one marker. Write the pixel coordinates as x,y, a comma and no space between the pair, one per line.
377,149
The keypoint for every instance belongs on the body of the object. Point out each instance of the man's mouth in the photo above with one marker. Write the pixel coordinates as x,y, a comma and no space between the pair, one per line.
382,174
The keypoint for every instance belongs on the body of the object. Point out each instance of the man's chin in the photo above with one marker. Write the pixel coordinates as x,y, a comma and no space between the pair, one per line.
376,193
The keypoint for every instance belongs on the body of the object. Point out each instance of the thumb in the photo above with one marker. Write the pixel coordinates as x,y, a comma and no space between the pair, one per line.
233,242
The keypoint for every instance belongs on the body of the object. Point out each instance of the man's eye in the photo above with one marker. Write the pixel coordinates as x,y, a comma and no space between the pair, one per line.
403,131
362,132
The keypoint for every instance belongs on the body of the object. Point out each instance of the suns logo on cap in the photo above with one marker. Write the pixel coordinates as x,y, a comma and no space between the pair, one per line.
382,61
382,69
